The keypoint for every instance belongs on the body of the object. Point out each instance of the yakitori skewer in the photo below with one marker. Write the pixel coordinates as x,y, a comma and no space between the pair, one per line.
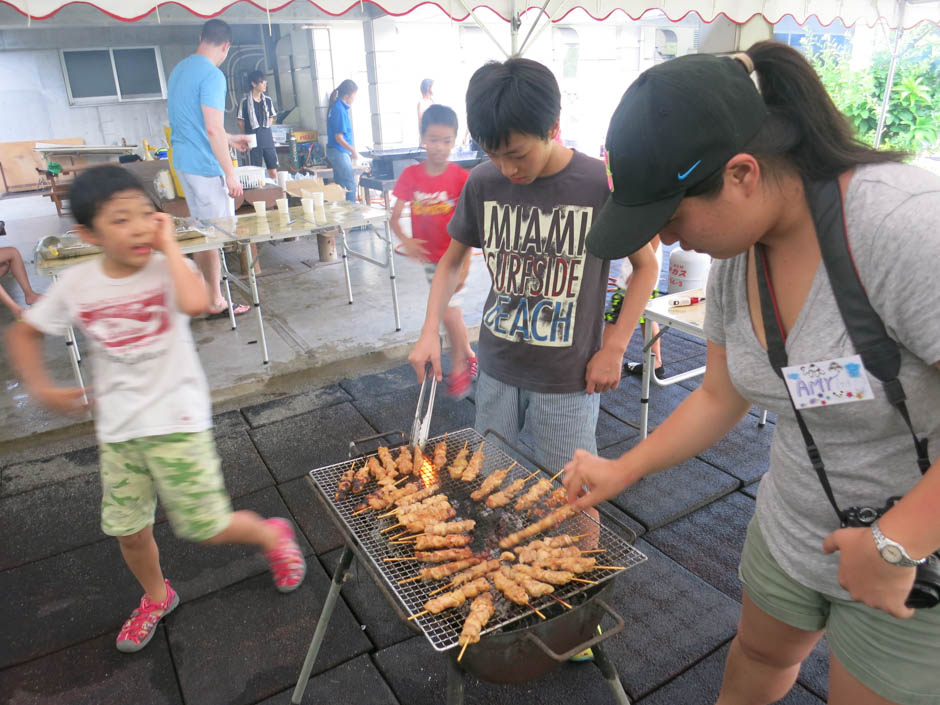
481,609
504,497
491,483
388,461
444,555
440,454
472,573
450,527
554,518
473,468
425,543
361,479
445,570
535,493
344,486
405,466
459,463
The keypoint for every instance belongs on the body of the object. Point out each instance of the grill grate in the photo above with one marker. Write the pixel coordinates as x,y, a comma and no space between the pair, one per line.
443,630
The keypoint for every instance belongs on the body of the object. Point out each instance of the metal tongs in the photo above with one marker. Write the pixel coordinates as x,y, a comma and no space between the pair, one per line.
422,424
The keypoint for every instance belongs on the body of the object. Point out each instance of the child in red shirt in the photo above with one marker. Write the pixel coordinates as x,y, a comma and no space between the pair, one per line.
433,188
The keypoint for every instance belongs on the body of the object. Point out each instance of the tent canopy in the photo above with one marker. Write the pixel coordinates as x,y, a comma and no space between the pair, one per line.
850,12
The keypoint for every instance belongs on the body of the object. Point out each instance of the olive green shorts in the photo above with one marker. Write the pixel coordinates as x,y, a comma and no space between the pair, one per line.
896,658
182,468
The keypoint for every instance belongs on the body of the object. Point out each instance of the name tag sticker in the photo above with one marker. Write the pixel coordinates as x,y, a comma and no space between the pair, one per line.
839,381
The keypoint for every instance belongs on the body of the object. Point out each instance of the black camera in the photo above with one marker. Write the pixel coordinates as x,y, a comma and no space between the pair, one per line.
926,590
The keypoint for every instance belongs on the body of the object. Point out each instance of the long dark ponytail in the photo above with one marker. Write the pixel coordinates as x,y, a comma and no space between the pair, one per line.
804,128
341,91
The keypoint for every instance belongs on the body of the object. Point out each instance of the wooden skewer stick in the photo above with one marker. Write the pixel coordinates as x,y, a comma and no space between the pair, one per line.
560,601
582,580
395,526
409,580
460,655
529,477
611,567
386,514
446,587
410,558
395,536
556,475
579,536
361,511
420,614
538,613
596,550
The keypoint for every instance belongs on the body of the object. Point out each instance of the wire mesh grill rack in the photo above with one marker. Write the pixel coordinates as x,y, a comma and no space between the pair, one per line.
443,630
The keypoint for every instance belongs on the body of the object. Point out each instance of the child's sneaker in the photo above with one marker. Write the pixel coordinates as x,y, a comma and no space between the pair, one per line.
287,563
458,385
472,367
139,629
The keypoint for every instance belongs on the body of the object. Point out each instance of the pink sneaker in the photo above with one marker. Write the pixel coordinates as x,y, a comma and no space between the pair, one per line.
472,367
287,563
139,629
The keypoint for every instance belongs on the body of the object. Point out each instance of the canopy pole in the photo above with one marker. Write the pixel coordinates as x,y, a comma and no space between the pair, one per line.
889,82
479,24
515,22
525,41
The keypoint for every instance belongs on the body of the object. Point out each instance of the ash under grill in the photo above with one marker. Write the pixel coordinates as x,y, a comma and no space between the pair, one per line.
443,630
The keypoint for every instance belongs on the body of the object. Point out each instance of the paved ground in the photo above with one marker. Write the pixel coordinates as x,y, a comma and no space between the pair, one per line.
235,640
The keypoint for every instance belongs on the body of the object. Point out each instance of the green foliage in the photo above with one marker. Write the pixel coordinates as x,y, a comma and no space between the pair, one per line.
913,120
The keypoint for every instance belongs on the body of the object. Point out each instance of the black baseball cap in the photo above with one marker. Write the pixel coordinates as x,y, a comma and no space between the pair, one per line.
677,124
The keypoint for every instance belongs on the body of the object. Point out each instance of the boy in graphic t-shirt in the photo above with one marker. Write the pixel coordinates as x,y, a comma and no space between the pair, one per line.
151,400
545,353
433,189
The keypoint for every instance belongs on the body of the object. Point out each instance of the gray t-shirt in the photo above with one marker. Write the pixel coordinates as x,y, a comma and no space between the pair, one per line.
543,317
891,214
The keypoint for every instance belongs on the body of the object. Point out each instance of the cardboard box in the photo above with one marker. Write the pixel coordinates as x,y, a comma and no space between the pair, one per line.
331,192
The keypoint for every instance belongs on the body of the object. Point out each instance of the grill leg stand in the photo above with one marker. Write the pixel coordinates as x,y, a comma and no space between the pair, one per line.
455,682
609,671
339,577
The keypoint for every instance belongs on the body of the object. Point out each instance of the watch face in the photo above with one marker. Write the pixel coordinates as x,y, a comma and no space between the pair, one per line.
892,554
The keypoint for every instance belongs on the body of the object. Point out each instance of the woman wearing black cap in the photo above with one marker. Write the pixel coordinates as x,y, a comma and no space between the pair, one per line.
758,179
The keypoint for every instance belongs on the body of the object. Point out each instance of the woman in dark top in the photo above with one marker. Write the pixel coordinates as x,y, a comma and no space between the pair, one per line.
255,116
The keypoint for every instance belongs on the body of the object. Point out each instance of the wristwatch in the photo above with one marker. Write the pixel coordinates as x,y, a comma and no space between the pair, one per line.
892,551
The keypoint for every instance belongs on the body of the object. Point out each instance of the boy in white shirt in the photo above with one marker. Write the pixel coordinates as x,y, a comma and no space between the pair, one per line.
151,399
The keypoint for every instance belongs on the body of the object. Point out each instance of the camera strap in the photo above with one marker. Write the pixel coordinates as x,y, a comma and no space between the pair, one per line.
879,352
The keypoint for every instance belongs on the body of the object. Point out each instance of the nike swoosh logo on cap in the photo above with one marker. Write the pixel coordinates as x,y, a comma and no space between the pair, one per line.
683,177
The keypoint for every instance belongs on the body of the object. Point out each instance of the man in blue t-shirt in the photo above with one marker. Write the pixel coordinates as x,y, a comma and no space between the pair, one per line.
201,159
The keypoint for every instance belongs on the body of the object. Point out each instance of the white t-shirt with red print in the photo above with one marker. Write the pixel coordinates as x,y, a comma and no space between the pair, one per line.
146,376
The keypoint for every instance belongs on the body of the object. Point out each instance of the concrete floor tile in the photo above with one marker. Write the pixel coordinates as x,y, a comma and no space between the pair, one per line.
294,404
242,466
665,496
31,474
624,402
247,642
744,452
611,430
60,601
674,619
96,672
708,542
294,446
418,675
310,515
33,524
228,423
356,681
701,683
395,412
393,380
369,604
752,489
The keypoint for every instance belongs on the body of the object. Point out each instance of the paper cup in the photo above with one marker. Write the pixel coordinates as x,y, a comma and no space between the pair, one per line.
260,207
282,180
317,197
307,205
304,193
282,206
252,141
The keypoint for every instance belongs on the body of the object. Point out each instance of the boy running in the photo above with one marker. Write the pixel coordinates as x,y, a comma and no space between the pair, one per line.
433,189
152,411
544,351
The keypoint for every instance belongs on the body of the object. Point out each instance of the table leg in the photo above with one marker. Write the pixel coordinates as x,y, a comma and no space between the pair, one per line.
228,288
256,300
342,235
648,362
390,250
763,419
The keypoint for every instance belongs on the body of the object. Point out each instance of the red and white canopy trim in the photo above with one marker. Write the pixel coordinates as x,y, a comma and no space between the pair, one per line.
850,12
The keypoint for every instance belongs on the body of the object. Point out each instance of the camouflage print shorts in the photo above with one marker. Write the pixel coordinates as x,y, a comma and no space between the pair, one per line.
182,468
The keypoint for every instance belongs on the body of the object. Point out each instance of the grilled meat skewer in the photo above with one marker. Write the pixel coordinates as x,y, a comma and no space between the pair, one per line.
444,556
513,591
457,597
492,482
554,577
534,494
459,464
472,471
504,497
445,570
440,455
453,527
534,587
405,466
344,486
425,543
388,462
481,609
553,519
360,479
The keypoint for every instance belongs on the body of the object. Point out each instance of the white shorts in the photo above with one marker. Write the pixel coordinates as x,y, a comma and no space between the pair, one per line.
457,299
206,196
